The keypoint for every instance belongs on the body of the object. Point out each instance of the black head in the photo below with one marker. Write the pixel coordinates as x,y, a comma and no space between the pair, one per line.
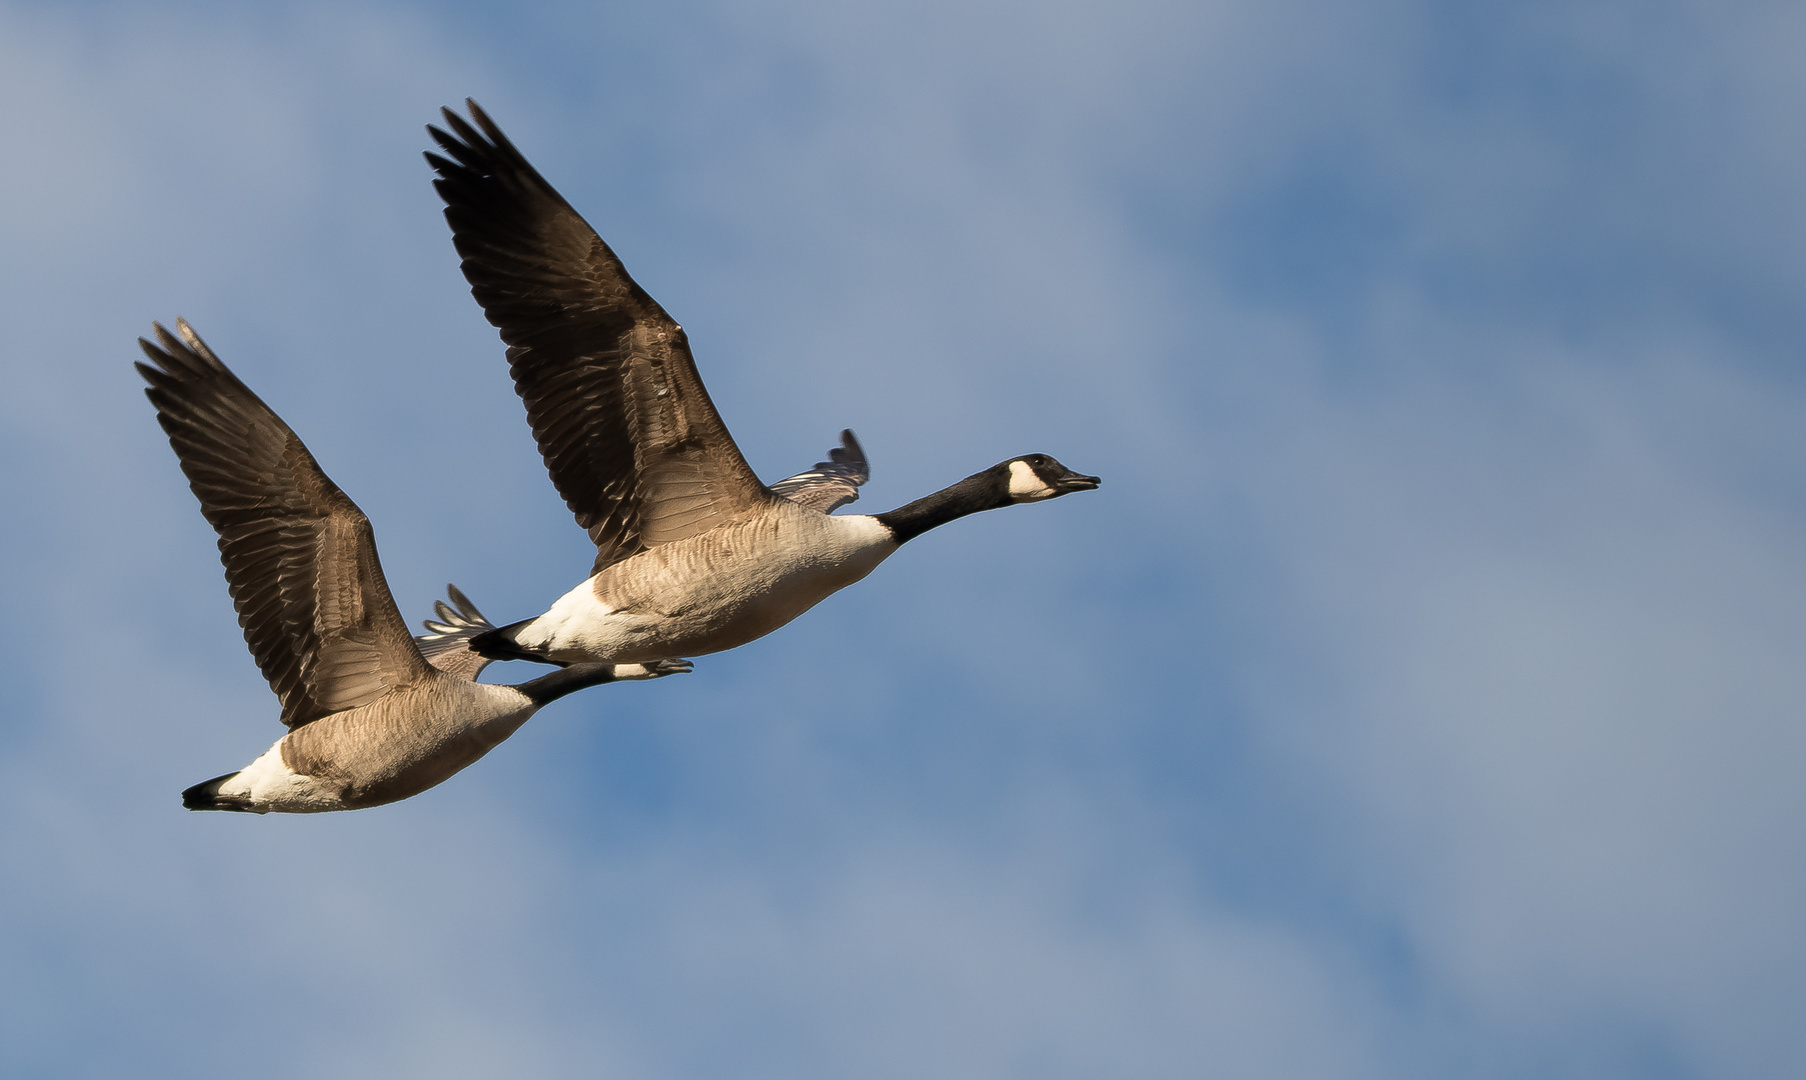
1034,477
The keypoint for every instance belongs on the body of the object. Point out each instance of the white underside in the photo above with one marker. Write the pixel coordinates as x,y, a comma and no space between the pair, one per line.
567,617
410,741
271,785
683,605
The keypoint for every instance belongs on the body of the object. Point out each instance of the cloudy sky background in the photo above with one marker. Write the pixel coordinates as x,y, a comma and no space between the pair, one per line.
1421,695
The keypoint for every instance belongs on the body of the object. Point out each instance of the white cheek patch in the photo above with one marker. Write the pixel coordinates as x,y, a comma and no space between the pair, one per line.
1025,486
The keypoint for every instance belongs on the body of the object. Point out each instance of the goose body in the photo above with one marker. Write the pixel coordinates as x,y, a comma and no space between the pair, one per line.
709,593
693,553
370,719
410,740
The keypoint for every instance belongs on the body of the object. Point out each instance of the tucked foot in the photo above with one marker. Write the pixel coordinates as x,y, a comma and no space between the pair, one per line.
657,669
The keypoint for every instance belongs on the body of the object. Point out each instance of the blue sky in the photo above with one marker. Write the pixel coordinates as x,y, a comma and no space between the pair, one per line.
1421,696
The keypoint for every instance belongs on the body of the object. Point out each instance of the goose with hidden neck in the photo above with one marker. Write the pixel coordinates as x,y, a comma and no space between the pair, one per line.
693,554
370,720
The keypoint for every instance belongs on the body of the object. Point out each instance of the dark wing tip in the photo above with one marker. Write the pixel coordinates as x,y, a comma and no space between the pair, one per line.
849,452
479,131
465,607
181,356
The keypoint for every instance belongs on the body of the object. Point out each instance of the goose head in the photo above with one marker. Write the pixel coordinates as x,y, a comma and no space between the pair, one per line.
1034,477
1030,478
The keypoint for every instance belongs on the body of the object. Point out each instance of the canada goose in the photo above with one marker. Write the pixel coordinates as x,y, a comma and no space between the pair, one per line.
693,554
370,721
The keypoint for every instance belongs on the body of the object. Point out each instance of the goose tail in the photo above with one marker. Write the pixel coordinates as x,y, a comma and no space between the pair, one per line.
500,644
206,796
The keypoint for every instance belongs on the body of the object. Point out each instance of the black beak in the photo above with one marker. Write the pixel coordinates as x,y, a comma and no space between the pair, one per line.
1076,482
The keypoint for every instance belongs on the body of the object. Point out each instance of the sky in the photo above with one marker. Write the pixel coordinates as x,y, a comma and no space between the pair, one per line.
1420,696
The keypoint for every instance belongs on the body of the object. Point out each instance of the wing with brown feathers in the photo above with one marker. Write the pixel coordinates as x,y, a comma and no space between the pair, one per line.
300,556
627,431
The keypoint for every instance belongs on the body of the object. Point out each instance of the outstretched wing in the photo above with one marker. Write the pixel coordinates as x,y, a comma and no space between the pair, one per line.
832,483
627,431
300,556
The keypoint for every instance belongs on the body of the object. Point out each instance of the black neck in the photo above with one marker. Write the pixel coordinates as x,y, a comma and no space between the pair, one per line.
566,680
980,491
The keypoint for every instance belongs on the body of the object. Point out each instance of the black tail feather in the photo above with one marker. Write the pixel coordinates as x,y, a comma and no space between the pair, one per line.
499,644
206,796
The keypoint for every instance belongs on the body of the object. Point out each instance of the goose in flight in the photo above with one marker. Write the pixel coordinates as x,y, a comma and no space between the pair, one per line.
693,554
369,720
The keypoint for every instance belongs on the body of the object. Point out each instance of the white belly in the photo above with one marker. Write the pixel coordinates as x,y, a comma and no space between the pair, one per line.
268,784
389,750
711,592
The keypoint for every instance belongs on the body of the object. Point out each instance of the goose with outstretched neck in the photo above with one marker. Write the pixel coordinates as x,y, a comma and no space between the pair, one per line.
694,554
